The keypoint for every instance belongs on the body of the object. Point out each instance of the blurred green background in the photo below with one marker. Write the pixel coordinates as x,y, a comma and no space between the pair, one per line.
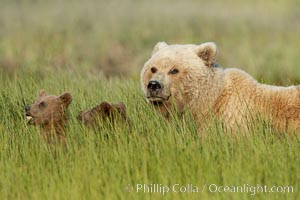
115,37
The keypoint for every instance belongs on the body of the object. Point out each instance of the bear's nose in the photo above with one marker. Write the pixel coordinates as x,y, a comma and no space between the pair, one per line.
27,108
154,86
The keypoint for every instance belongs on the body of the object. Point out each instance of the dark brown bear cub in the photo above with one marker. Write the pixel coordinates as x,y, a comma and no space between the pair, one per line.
103,112
49,113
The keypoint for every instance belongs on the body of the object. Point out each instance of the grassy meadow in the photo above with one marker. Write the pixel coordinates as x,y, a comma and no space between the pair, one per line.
95,50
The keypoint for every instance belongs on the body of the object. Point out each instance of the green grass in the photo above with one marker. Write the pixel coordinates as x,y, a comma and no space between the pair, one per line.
100,164
73,46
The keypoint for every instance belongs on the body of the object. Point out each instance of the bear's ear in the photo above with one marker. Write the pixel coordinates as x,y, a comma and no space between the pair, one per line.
66,98
80,116
159,46
121,108
42,93
207,52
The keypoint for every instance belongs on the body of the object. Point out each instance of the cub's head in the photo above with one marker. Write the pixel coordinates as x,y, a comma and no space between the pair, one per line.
102,112
171,73
47,109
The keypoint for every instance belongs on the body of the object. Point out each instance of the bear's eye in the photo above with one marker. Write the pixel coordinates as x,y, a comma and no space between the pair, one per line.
153,70
173,71
42,104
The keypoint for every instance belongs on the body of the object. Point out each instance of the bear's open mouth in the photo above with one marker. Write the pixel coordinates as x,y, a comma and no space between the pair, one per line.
29,119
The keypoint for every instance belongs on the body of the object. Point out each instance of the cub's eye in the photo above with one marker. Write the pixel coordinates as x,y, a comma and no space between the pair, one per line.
42,104
173,71
153,70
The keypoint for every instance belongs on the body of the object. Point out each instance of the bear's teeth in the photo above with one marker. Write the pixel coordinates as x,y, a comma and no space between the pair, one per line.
28,118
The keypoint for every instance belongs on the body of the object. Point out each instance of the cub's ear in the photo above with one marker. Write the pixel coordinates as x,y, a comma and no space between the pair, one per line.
42,93
66,98
121,108
207,52
159,46
80,116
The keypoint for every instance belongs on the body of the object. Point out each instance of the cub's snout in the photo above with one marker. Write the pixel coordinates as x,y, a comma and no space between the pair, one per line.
29,117
27,109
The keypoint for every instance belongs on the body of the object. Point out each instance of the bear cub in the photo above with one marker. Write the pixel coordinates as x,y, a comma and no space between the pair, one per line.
102,112
49,113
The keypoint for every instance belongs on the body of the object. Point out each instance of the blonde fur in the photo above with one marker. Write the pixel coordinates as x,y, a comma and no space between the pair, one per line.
207,91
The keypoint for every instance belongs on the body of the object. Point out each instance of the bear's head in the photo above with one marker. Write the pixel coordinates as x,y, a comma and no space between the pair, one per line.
171,73
103,111
48,109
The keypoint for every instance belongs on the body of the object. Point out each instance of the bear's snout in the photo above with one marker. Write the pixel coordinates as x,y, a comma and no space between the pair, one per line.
27,109
29,117
154,87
